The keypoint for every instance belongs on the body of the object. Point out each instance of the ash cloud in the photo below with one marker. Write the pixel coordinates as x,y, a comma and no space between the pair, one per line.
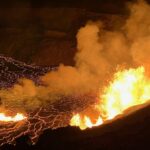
100,53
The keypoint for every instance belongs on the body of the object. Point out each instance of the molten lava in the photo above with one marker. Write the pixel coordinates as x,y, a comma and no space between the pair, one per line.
17,117
128,88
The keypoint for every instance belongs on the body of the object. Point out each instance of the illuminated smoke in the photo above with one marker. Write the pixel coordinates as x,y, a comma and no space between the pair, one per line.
100,53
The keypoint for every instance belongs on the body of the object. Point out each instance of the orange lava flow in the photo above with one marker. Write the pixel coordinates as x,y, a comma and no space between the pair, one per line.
16,118
128,88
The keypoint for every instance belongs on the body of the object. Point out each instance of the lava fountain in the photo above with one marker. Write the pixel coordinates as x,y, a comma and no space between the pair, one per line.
128,88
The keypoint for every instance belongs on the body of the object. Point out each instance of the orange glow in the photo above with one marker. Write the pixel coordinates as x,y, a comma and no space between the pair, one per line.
85,122
128,88
17,117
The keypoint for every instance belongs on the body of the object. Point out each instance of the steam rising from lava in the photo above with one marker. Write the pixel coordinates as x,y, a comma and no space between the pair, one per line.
100,54
129,88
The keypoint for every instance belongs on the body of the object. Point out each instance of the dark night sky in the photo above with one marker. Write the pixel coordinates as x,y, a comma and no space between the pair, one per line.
94,5
61,3
112,6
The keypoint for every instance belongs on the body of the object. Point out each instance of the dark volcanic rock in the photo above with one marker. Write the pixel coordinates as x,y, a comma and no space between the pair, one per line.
46,36
130,132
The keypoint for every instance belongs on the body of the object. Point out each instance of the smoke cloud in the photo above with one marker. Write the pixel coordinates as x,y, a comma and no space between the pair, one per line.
100,53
